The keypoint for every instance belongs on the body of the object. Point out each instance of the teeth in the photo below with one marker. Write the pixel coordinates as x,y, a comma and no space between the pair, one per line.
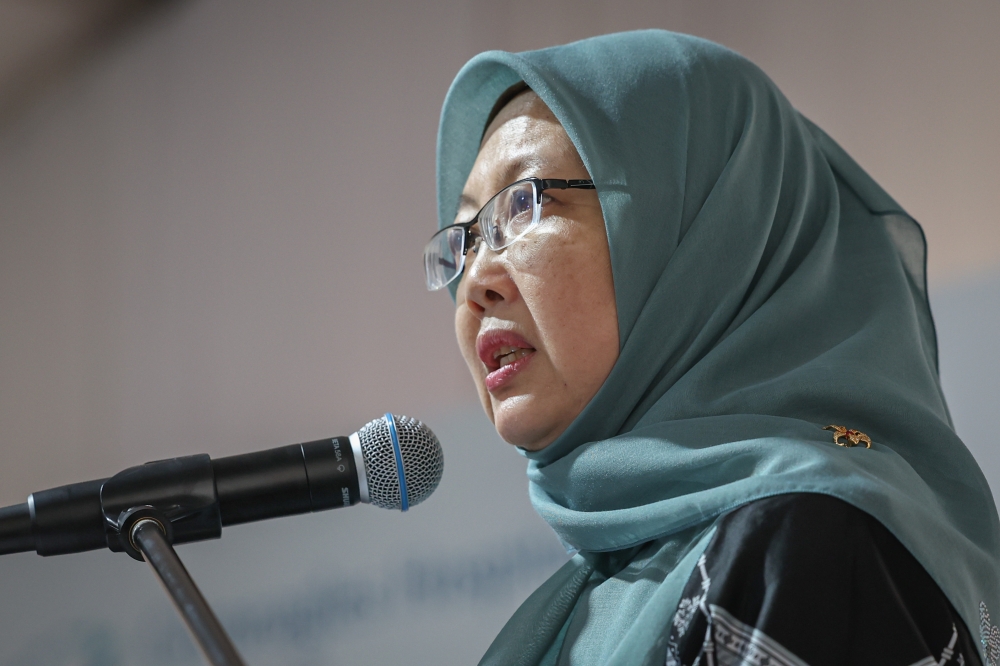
503,351
512,354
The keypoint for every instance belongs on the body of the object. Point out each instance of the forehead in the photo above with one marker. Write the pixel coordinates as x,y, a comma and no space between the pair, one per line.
525,139
525,104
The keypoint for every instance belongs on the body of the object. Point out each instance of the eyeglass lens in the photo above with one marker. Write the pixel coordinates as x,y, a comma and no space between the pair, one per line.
443,257
504,219
508,215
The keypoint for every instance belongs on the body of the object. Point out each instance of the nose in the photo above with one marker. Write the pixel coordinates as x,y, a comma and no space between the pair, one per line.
487,283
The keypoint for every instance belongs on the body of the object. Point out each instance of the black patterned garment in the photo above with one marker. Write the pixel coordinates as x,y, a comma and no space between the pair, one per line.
808,579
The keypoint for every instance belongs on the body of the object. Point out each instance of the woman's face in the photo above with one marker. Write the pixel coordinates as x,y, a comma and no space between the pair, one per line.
536,322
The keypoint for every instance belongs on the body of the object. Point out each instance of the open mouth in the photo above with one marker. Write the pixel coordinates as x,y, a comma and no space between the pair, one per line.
504,354
507,355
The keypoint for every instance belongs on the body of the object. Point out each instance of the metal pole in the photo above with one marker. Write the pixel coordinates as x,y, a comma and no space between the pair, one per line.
149,539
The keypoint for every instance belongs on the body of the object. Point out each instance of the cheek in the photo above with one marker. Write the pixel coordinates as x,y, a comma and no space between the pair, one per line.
570,291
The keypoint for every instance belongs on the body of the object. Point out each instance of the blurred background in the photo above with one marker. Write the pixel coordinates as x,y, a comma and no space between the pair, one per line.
211,221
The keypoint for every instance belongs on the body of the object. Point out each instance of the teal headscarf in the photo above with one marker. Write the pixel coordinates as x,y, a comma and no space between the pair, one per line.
766,287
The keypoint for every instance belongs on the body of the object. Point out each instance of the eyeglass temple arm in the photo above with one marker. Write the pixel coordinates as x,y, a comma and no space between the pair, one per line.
559,184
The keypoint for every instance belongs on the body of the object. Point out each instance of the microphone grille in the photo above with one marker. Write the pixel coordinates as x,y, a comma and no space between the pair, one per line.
422,461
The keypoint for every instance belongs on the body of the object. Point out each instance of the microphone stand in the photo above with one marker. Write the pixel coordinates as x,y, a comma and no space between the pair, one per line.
149,537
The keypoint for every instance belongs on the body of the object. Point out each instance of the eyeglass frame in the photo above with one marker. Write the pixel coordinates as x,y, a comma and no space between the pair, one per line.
541,184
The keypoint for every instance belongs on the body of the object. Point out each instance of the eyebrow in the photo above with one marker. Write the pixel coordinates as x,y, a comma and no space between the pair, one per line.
515,167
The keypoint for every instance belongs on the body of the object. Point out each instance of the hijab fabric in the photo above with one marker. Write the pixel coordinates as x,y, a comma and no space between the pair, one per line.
766,287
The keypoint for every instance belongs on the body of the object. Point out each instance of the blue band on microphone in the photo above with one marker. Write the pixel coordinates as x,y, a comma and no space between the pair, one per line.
404,503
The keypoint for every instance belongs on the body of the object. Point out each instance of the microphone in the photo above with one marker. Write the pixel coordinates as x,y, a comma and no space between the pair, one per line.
393,462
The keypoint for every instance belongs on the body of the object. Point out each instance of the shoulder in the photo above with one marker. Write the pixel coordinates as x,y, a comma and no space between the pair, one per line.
788,539
811,579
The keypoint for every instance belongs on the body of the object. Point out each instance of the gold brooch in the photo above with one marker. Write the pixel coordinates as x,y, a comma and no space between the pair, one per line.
853,437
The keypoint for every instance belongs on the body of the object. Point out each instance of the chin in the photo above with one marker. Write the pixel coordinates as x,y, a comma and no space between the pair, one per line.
519,424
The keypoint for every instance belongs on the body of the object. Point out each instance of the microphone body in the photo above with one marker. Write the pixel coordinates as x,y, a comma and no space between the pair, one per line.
194,497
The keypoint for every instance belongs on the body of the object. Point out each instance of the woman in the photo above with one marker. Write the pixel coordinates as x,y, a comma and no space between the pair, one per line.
707,328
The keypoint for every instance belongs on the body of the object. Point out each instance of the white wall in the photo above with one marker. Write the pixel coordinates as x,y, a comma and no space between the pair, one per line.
210,242
210,237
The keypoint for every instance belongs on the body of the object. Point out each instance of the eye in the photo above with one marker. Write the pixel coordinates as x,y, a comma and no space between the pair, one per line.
455,243
520,202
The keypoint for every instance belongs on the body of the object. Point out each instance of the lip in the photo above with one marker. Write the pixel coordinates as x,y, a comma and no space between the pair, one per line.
487,344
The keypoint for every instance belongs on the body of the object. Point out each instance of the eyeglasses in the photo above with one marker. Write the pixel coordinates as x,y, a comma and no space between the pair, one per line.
506,218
